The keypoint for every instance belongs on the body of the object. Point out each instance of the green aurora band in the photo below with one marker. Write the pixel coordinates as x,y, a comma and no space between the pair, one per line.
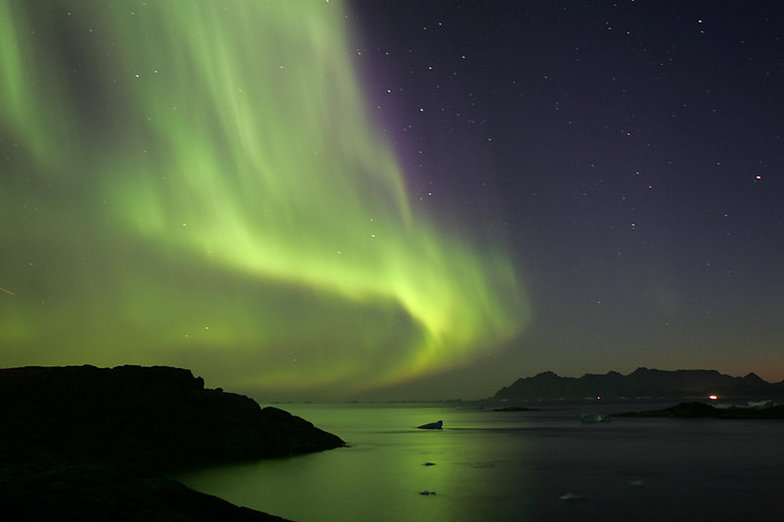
201,184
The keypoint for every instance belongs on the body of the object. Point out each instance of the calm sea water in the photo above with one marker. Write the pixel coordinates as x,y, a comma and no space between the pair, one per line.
540,465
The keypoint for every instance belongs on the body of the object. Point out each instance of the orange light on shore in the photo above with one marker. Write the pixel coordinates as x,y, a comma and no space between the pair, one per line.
713,397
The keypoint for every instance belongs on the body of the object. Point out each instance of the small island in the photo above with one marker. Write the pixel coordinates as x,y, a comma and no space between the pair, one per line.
515,408
87,443
700,409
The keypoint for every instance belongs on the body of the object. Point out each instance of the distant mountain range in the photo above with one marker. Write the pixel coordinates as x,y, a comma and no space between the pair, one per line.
642,382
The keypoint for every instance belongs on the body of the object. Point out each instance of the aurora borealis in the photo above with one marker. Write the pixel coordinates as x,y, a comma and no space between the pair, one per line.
374,199
201,185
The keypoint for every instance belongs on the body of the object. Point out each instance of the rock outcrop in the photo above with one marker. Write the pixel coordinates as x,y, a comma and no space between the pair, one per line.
68,431
432,426
96,492
158,416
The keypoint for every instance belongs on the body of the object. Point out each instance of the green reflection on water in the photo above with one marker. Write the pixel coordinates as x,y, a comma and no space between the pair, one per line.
380,476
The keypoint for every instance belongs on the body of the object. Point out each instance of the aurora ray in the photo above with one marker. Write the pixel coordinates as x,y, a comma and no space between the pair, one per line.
200,184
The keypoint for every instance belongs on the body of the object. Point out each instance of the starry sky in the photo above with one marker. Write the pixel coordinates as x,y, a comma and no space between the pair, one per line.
631,154
383,199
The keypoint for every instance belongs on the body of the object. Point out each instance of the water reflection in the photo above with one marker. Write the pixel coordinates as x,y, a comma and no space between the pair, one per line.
541,465
380,476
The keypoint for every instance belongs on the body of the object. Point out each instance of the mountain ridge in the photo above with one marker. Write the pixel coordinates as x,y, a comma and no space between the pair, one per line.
642,382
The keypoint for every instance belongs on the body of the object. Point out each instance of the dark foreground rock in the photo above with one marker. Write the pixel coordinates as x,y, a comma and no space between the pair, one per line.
94,492
700,409
89,440
153,416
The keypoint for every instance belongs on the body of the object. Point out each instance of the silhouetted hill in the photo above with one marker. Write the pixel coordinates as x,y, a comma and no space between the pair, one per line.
145,415
99,437
640,383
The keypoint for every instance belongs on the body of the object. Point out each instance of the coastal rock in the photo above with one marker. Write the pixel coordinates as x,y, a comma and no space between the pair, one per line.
432,426
87,443
97,492
157,416
700,409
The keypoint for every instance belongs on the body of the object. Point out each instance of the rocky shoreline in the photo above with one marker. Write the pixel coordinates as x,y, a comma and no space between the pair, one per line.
87,443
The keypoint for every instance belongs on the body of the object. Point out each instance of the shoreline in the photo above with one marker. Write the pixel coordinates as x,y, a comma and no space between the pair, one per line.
87,443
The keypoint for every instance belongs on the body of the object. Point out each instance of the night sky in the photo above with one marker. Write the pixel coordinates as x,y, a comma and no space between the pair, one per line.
384,199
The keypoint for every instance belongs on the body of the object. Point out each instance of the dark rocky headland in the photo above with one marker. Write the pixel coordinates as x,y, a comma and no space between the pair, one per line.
642,383
87,443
